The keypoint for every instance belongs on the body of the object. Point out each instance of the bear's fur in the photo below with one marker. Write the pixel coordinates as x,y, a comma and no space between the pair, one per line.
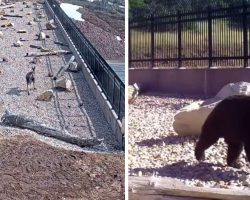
230,120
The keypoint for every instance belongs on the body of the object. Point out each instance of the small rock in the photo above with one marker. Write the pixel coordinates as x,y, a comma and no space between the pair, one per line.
30,23
18,44
64,83
50,74
3,18
51,25
41,36
36,60
74,67
5,59
140,173
21,31
41,16
46,96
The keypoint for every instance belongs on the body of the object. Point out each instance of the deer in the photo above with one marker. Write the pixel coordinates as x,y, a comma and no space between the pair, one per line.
30,78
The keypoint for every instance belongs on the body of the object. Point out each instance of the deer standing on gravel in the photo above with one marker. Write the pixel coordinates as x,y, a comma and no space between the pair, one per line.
30,78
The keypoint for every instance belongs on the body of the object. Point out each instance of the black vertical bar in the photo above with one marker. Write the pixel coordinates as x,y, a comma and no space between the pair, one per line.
129,47
210,39
245,39
152,40
119,103
179,39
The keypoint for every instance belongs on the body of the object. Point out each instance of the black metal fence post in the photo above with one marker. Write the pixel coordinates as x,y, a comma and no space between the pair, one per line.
179,40
210,39
245,38
152,40
129,47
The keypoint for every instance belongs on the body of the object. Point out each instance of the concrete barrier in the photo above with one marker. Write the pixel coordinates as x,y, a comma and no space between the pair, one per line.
205,82
105,105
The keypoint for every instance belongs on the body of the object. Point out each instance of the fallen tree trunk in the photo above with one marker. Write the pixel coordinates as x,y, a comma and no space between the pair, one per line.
53,53
24,122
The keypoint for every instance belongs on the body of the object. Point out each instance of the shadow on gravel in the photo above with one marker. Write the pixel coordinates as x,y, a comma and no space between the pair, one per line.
15,91
201,171
174,139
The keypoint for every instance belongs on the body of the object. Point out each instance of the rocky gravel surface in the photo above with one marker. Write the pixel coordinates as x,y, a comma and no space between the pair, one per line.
76,111
155,148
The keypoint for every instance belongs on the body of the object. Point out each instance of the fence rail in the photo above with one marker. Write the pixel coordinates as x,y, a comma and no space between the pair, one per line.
211,38
107,79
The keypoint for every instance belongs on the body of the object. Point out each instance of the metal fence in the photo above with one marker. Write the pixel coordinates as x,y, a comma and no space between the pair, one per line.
211,38
107,79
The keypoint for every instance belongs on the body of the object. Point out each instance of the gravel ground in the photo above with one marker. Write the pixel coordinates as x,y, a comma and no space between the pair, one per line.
154,147
64,110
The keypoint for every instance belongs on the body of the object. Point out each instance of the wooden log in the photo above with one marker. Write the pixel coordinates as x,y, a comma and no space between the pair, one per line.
160,187
35,46
7,6
24,122
52,53
8,15
61,43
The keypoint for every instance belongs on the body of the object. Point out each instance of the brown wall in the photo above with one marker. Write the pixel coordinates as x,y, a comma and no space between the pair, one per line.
186,81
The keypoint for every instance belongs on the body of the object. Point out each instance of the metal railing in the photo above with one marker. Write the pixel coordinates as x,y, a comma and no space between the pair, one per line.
110,83
212,38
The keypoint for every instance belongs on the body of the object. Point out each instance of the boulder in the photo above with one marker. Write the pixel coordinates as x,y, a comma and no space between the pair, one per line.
30,23
1,34
230,89
190,119
45,96
64,83
133,91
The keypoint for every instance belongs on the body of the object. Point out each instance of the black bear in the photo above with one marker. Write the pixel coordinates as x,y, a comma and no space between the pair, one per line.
230,120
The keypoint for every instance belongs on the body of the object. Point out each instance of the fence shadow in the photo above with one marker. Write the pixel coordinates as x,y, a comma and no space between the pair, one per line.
174,139
201,171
